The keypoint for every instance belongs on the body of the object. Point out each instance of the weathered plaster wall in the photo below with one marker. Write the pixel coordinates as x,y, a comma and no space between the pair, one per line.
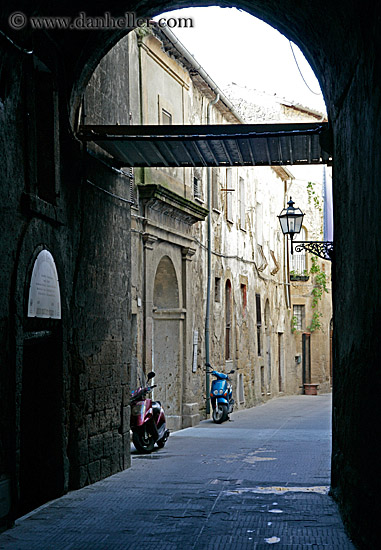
301,291
236,257
164,88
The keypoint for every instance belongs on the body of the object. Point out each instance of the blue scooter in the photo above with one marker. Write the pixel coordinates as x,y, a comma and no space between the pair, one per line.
221,396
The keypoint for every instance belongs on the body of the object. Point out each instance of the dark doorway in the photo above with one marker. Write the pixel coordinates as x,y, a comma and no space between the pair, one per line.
280,361
41,453
306,358
228,319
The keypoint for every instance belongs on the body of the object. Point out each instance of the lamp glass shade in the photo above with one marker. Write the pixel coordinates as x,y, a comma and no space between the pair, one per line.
291,219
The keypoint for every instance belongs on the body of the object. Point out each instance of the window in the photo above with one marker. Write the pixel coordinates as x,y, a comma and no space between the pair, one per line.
217,289
166,117
259,323
229,194
299,313
46,116
242,198
258,308
196,188
298,264
215,184
244,299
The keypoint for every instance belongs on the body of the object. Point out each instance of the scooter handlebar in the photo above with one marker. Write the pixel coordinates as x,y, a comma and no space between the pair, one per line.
141,392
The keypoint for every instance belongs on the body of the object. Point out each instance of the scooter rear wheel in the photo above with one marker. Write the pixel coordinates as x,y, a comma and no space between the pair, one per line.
220,413
143,441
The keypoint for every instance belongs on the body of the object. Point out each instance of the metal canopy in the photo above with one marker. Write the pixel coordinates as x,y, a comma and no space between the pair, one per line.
212,145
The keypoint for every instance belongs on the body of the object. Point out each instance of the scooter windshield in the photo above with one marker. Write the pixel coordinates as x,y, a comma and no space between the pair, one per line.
220,375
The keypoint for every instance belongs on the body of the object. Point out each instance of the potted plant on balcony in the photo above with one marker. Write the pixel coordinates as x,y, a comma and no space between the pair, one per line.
294,276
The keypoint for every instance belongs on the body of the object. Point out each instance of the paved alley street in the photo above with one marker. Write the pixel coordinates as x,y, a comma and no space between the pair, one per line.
258,481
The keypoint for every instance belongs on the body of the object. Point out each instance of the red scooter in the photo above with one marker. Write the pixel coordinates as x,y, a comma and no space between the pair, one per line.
147,423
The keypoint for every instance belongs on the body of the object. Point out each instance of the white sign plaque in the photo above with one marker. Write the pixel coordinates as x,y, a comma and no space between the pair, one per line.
44,292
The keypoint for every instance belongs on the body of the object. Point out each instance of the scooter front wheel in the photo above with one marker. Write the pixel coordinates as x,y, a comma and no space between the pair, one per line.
220,413
143,441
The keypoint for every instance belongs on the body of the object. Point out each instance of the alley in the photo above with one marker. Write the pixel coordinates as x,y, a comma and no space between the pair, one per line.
258,480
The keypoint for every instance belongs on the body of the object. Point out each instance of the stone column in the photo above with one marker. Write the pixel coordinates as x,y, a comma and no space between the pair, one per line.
190,412
149,241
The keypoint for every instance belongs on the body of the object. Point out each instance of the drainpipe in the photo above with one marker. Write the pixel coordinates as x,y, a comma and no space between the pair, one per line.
207,315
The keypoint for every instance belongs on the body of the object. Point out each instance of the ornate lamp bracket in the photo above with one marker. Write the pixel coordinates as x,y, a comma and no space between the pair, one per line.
323,249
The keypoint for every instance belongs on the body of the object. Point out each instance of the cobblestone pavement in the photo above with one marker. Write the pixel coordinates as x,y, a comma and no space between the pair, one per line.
258,481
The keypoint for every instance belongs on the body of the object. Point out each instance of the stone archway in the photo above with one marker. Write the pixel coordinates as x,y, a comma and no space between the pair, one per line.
38,429
167,341
349,74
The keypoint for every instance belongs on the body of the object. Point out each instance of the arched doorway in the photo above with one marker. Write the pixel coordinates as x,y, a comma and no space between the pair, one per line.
167,341
41,474
294,28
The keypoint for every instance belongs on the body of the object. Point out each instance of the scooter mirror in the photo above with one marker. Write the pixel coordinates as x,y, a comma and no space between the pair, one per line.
232,371
150,375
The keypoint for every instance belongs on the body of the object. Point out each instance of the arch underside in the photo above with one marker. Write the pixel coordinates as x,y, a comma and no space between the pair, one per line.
313,27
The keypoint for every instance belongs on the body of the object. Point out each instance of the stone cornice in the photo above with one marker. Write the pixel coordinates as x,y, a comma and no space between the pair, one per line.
168,202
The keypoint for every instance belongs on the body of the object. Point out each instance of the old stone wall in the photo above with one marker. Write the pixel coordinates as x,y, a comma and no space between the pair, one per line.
76,365
101,360
356,275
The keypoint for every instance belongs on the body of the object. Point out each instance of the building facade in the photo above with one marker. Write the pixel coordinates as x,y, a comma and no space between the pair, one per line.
105,271
253,304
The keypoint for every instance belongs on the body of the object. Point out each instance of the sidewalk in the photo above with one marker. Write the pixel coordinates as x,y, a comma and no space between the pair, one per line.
253,483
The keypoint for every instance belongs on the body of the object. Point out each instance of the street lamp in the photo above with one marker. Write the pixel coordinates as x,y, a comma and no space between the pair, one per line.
291,220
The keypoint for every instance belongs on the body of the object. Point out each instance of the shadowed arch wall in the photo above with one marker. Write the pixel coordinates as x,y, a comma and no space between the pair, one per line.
166,288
